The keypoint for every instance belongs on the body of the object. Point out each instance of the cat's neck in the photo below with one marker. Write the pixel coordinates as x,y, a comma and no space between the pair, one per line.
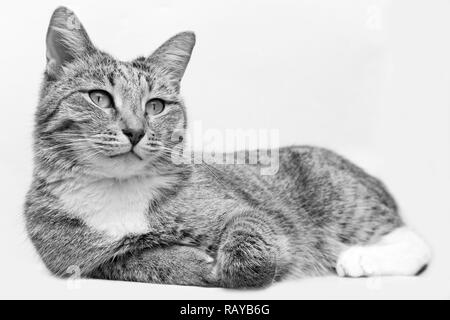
115,207
77,180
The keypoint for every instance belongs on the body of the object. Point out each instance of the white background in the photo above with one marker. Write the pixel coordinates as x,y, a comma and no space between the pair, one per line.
367,78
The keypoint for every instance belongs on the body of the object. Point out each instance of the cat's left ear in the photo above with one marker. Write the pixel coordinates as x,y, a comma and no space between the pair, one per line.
66,41
174,54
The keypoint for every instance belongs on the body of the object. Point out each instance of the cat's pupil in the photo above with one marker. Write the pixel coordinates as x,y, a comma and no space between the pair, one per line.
98,98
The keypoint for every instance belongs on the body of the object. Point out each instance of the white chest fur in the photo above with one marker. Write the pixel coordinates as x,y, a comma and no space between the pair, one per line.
116,208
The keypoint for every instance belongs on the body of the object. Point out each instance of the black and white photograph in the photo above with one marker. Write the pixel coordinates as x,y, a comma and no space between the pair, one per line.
225,150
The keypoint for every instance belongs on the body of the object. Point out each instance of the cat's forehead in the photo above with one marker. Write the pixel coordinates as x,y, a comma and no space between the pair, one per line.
131,81
126,78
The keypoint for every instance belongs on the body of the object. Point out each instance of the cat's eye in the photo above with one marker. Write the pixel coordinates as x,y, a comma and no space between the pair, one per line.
101,98
154,107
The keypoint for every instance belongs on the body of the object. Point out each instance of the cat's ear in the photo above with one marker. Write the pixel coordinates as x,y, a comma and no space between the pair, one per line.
66,40
174,54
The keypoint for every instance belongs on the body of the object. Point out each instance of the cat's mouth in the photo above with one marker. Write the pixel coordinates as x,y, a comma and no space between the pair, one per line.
128,154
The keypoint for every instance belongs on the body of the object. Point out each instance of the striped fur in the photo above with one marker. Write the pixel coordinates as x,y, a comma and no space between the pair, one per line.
153,220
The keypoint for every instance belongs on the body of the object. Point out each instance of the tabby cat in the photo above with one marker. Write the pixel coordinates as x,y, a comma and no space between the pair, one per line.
108,199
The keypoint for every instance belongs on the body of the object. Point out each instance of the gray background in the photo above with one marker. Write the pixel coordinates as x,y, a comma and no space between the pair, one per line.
367,78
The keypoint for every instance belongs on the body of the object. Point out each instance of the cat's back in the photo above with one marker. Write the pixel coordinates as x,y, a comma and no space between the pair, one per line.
299,177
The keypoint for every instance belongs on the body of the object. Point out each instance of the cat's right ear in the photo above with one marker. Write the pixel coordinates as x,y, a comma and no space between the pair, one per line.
66,40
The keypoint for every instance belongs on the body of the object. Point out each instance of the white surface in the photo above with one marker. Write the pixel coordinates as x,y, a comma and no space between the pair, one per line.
368,78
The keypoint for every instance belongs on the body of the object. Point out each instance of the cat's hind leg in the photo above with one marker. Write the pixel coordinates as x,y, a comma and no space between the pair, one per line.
399,253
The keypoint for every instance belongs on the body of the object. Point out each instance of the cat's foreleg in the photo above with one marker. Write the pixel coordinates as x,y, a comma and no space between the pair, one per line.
252,253
178,265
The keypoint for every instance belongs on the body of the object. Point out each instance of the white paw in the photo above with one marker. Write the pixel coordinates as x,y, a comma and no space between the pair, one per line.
356,262
400,253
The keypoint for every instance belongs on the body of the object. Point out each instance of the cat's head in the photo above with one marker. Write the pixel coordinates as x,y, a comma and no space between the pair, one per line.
103,116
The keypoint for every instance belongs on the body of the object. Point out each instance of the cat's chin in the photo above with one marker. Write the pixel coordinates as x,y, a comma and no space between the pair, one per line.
121,166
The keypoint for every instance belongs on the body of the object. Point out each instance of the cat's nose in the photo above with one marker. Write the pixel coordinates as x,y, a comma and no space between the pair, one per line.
134,135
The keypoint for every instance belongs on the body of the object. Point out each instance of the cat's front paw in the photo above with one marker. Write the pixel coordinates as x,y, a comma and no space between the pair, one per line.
244,261
191,266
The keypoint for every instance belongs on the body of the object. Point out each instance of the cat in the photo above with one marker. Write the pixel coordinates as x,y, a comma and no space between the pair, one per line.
108,199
